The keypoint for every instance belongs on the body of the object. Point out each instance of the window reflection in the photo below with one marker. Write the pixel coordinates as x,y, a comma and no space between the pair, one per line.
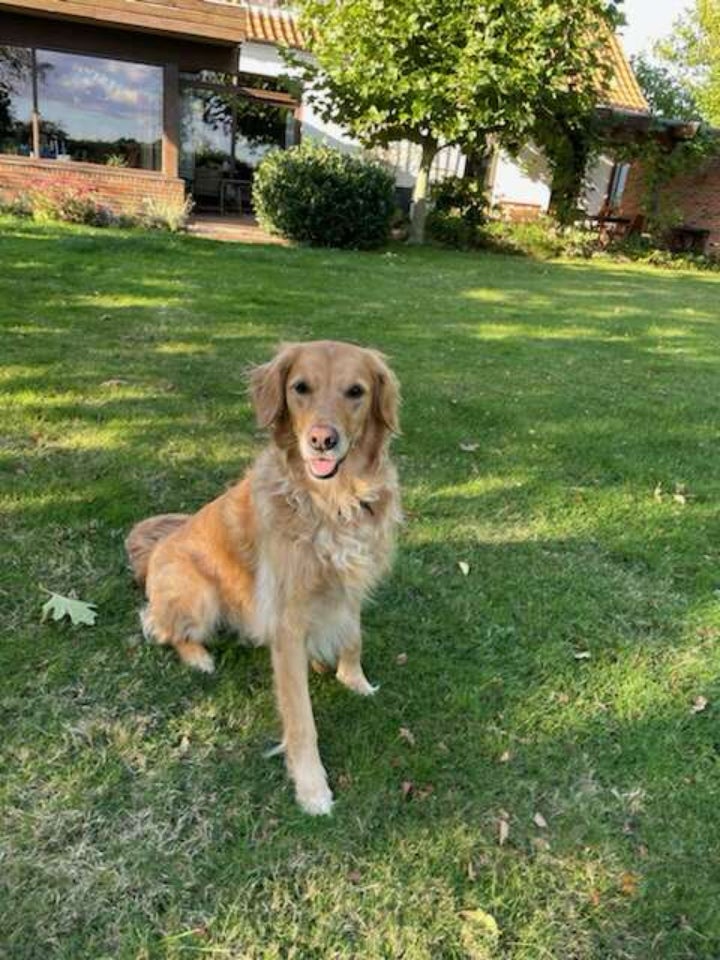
15,100
99,110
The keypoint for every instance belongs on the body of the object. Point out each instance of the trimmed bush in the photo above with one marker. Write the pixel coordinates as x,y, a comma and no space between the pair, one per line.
459,209
320,196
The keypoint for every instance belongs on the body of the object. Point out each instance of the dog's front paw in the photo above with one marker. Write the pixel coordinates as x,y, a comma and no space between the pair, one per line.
315,797
356,681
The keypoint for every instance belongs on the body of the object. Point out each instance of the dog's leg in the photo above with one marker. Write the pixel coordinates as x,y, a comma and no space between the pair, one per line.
290,666
350,672
183,610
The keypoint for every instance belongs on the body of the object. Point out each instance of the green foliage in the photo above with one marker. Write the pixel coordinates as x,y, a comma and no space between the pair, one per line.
543,238
454,71
77,611
313,194
693,52
661,163
664,91
59,198
459,208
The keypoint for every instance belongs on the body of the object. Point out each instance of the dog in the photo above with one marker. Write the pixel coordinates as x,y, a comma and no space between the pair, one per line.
287,555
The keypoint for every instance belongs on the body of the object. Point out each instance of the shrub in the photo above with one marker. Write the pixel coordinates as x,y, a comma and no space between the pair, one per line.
57,198
459,209
159,213
542,238
317,195
16,205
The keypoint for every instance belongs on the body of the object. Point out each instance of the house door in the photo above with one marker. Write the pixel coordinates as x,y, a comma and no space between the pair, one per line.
227,127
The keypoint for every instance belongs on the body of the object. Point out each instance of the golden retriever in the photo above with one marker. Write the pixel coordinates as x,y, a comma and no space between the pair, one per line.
288,555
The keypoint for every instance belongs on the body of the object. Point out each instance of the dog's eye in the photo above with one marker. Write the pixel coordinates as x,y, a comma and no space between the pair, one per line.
301,387
355,391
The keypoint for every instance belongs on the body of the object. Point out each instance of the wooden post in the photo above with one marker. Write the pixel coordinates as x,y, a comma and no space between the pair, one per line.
171,120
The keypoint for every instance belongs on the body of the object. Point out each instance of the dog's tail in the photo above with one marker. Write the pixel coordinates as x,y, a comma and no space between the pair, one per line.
143,537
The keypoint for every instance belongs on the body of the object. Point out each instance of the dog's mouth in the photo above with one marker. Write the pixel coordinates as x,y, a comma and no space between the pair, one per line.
323,468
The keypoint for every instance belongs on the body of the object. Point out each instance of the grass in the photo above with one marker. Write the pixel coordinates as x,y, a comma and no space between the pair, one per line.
139,819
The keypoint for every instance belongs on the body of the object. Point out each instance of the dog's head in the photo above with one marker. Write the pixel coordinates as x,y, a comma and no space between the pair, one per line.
328,399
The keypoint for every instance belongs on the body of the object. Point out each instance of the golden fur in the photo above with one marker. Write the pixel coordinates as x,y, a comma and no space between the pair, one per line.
288,554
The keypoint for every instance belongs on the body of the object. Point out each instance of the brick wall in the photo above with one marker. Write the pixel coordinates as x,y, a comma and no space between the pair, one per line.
121,189
696,196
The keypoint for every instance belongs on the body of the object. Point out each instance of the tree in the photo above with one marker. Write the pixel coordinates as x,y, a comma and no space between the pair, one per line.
666,93
693,53
442,72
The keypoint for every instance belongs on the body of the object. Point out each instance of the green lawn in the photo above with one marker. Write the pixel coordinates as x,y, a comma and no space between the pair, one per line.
139,818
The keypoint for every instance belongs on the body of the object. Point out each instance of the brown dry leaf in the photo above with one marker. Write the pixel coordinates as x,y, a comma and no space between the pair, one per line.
505,757
407,788
595,898
401,659
405,733
629,884
540,821
354,876
344,781
503,830
424,792
699,704
464,567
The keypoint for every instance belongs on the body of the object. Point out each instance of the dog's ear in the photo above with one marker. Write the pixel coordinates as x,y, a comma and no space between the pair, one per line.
386,393
267,385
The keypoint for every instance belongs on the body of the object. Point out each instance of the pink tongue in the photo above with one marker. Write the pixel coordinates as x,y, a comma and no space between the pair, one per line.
322,468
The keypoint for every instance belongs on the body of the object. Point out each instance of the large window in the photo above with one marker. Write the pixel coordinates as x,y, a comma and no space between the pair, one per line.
15,100
228,124
89,108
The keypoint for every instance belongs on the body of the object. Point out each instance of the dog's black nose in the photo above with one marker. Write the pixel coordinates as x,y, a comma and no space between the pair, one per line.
323,438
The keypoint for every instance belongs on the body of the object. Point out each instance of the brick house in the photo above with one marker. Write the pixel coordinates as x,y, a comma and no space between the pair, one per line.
159,98
139,98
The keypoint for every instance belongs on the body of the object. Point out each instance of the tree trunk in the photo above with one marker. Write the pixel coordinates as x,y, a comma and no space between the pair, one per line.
420,193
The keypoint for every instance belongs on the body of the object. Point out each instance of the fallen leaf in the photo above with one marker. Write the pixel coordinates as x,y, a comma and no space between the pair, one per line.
483,921
563,698
629,884
184,744
424,792
401,659
540,821
658,492
78,611
699,704
582,655
504,757
469,447
642,851
540,843
354,876
407,788
464,567
405,733
344,781
595,898
503,830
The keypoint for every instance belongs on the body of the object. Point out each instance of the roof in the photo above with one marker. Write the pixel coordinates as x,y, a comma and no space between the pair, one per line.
624,91
268,22
192,19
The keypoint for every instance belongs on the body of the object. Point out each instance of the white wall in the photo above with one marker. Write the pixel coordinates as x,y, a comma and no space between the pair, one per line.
524,180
